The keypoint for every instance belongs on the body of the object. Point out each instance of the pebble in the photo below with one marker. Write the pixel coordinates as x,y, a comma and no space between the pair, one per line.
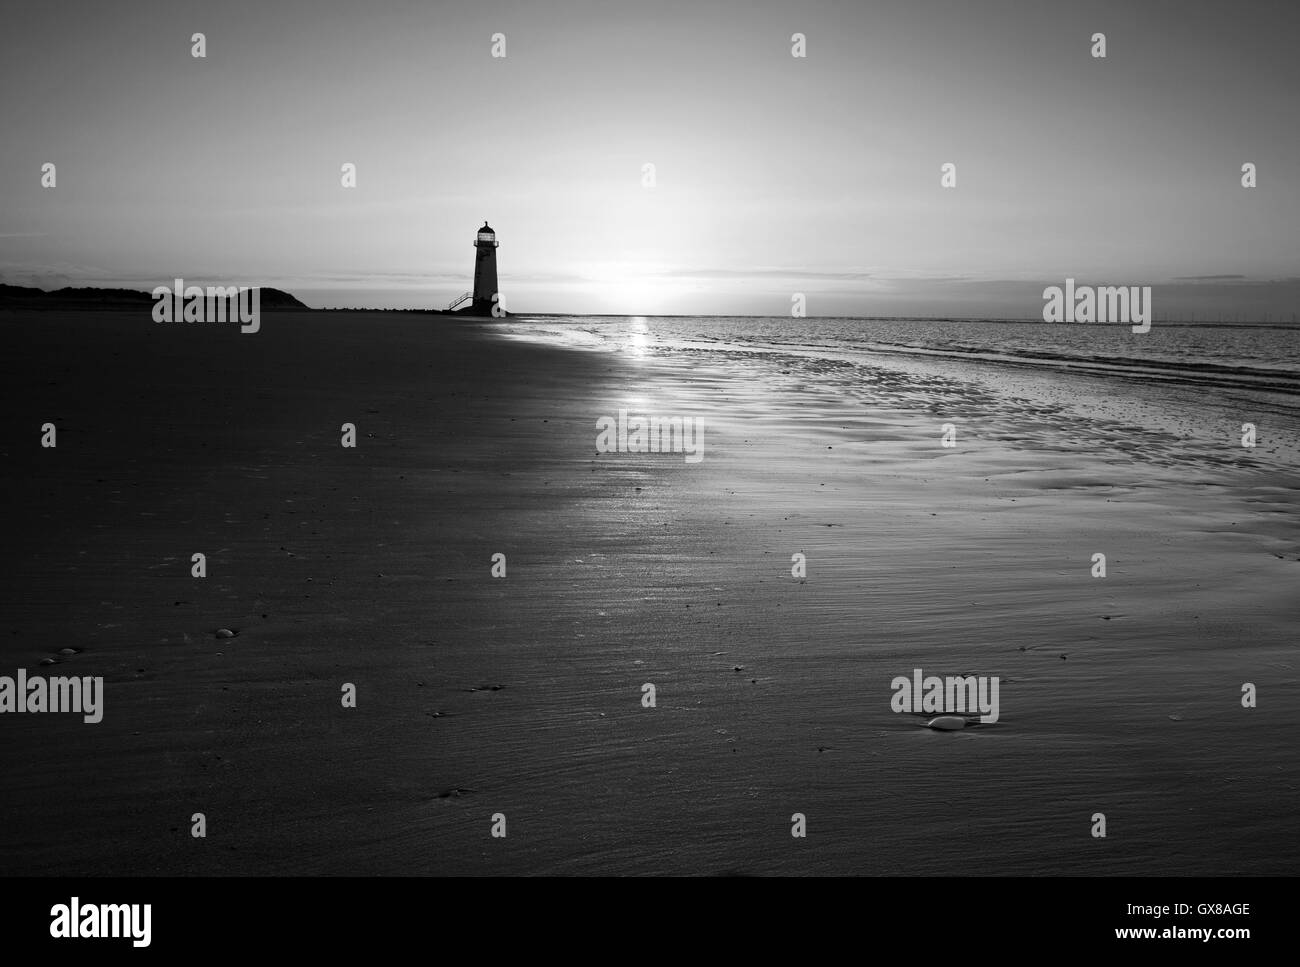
947,723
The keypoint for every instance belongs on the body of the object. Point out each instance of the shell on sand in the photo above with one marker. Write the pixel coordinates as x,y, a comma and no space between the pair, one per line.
947,723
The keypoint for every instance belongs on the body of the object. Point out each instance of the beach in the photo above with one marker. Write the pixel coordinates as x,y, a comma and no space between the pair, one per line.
522,695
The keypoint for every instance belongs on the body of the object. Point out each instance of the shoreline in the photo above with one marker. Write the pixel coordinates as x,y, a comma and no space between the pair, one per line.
372,567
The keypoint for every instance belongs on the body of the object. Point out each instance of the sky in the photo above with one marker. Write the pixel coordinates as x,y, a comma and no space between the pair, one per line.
773,174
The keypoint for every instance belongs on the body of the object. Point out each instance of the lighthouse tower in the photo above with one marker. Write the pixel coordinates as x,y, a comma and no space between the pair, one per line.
485,271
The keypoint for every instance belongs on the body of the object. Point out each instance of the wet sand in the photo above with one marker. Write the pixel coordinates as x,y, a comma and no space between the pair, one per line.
372,566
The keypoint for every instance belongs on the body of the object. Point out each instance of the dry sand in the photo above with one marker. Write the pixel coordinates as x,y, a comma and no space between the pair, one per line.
372,566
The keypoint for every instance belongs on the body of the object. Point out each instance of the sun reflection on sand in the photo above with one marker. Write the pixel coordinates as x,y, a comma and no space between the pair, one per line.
638,342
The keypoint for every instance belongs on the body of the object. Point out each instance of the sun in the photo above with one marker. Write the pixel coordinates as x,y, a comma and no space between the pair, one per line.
627,286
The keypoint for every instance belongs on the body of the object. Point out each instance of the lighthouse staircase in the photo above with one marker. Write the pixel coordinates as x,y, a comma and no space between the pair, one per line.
463,297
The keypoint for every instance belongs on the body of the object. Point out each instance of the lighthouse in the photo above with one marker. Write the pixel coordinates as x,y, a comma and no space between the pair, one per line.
485,272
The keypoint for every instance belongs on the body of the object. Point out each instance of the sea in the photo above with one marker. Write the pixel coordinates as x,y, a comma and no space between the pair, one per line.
1209,385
